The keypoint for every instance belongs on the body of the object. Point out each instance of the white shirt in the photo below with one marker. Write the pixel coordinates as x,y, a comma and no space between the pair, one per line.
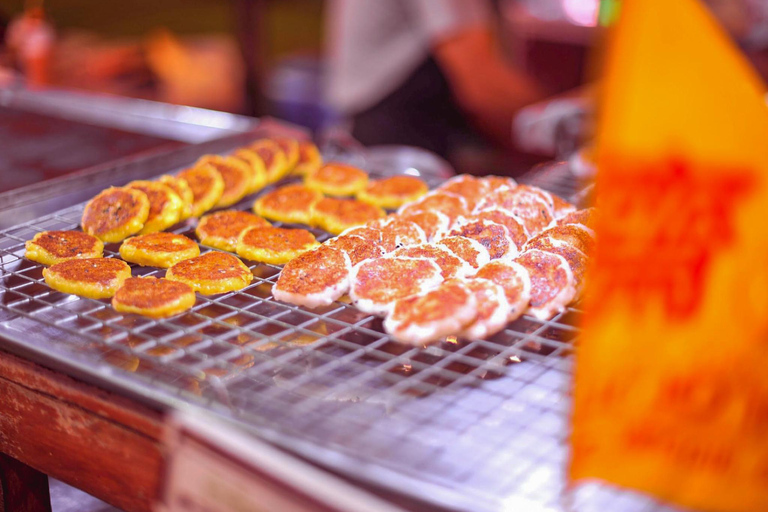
374,45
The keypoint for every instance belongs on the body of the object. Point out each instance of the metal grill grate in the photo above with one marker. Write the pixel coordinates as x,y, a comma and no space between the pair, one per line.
477,425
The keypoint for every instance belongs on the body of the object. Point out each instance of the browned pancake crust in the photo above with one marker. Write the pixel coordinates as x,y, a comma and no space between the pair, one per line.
153,297
586,217
96,278
291,149
449,204
158,249
314,272
548,277
337,215
470,188
393,192
181,187
274,158
291,203
221,229
115,213
237,176
450,265
210,273
309,158
258,170
51,247
274,245
462,247
207,186
356,247
337,179
385,280
515,227
492,236
165,205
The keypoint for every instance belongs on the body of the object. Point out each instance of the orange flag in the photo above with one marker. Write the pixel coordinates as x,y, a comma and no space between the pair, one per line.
671,384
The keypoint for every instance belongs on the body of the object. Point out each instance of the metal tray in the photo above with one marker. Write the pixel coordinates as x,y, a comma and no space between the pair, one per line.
466,425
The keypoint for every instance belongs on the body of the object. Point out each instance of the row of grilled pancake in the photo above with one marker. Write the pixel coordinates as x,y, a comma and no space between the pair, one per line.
214,181
320,200
77,266
463,260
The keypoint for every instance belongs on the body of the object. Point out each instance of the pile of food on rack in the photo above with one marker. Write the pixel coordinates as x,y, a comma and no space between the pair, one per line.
461,260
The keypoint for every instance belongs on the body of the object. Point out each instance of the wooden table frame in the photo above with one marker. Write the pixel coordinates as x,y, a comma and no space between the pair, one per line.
97,441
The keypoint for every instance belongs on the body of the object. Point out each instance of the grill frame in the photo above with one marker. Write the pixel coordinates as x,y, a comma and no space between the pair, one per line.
441,424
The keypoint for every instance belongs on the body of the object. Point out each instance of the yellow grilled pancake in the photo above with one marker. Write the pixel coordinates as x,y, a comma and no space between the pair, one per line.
337,179
274,158
95,278
115,214
51,247
221,229
337,215
291,203
274,245
211,273
259,171
393,192
310,158
237,176
207,187
165,205
181,187
158,249
153,297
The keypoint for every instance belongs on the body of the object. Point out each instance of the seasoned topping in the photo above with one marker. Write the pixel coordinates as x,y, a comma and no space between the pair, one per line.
494,237
450,265
356,247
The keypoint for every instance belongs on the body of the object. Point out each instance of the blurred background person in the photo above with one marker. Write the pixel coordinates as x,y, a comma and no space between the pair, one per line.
425,73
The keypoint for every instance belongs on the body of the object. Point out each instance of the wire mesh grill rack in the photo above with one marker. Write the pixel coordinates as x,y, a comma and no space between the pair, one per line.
474,425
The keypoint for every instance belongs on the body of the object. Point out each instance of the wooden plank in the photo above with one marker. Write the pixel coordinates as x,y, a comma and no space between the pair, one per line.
103,403
101,443
22,488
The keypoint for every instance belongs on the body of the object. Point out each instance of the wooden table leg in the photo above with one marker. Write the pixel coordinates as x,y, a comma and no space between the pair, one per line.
22,488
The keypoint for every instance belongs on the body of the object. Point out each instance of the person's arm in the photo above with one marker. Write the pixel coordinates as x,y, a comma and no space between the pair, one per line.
486,86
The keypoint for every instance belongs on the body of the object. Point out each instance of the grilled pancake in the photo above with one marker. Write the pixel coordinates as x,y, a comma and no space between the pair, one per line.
336,179
291,203
258,171
237,175
467,186
181,187
586,217
393,192
211,273
552,283
450,265
165,205
515,228
291,149
499,182
158,249
274,158
51,247
207,187
153,297
451,205
528,205
398,231
221,229
356,247
433,315
492,309
494,237
274,245
377,284
309,158
316,278
95,278
514,279
115,214
468,249
434,224
337,215
576,259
